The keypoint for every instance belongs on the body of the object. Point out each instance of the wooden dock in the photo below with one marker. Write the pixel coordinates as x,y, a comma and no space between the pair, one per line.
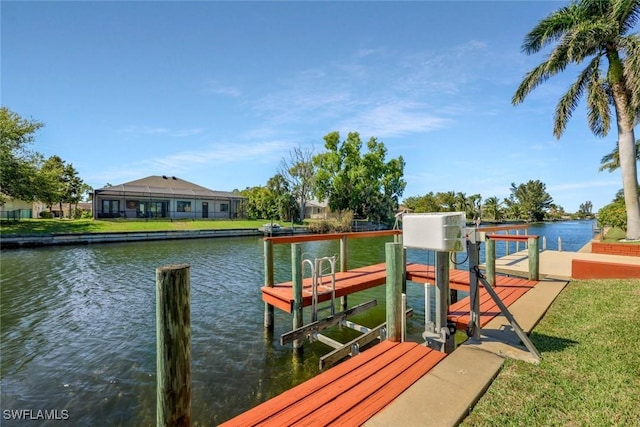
361,386
348,394
509,289
348,282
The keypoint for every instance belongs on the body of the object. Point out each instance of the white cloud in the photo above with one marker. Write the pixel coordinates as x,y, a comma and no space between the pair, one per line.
394,119
218,88
146,130
221,153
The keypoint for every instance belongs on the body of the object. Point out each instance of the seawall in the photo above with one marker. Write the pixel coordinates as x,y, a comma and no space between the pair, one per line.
37,240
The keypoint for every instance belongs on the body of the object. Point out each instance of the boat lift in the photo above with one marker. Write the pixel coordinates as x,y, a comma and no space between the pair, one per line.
311,331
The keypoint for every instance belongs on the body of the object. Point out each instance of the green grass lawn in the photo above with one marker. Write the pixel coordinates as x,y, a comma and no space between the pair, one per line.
590,369
48,226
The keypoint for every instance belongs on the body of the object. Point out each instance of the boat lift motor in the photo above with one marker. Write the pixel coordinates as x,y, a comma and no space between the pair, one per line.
442,232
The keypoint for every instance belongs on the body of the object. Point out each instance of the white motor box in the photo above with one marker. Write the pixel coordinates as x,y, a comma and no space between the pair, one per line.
440,231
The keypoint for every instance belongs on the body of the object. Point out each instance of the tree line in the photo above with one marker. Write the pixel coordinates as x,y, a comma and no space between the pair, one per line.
369,187
527,202
28,175
345,176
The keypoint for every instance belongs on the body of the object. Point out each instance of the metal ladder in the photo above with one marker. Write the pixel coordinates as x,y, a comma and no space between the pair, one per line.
316,281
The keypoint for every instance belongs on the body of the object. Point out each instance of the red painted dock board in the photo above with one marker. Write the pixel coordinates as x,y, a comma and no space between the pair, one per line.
360,279
458,279
349,282
509,289
348,394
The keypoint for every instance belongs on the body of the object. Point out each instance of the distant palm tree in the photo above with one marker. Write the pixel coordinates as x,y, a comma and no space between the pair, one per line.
611,161
492,208
595,28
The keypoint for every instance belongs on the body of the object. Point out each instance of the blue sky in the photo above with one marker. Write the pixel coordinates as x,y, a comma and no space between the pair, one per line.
217,93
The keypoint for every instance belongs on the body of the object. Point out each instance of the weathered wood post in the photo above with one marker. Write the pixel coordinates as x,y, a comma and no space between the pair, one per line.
397,238
296,276
490,260
393,253
268,281
343,266
534,259
173,335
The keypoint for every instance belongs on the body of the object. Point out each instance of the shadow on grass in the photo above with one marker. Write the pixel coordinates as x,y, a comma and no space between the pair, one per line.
547,344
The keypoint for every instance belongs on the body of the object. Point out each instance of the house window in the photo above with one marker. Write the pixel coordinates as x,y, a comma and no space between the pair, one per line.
132,204
158,209
184,206
224,207
110,206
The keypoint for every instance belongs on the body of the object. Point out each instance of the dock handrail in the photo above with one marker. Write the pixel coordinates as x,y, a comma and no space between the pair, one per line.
269,242
330,236
490,254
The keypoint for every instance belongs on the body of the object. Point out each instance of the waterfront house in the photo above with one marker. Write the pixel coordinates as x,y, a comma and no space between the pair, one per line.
165,197
316,209
16,208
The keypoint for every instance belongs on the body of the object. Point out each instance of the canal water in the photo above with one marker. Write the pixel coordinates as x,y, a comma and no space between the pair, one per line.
78,325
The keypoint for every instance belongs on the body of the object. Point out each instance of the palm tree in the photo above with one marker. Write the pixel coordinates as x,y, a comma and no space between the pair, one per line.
611,161
595,29
492,208
462,203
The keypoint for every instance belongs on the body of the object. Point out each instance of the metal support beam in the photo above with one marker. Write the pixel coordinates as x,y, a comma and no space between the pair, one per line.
473,329
296,273
507,314
324,323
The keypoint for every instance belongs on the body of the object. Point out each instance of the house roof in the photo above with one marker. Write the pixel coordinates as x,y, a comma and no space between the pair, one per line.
167,186
317,204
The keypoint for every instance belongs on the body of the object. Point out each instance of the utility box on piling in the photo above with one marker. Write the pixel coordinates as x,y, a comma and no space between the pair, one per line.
441,231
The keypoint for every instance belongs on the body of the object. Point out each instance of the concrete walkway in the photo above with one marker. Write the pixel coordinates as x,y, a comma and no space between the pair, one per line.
554,264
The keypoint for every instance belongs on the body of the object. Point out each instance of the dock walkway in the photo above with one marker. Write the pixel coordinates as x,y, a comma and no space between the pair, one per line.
556,264
348,394
509,289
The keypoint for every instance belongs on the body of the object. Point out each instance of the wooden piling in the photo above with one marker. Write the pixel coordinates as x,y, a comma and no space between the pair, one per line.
296,277
343,267
268,281
393,252
490,260
173,335
534,259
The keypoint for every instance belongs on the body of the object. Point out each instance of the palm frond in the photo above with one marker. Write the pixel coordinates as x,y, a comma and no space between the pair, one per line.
611,161
550,29
531,80
571,98
627,13
630,47
589,38
599,112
